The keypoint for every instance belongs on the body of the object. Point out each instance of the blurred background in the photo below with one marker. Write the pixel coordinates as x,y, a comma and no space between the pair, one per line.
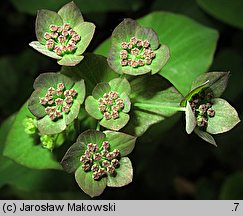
165,166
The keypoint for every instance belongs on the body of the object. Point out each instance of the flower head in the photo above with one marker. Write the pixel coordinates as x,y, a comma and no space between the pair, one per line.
63,35
110,103
98,160
136,50
55,101
206,113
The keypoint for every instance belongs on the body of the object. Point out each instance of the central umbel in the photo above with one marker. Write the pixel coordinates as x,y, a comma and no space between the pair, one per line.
110,105
61,39
100,161
136,53
58,101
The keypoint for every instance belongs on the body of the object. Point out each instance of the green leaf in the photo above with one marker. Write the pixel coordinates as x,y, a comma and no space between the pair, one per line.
100,89
71,14
86,31
226,117
88,184
205,136
42,49
127,103
124,174
43,21
120,85
217,82
93,69
151,99
232,187
91,106
70,60
25,149
190,119
191,54
115,124
125,143
229,12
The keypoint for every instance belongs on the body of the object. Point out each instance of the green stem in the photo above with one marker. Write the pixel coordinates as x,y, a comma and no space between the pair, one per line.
98,126
147,105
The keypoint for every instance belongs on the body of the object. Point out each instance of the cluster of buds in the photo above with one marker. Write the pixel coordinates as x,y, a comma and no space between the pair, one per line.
100,160
61,39
110,105
58,101
202,108
136,53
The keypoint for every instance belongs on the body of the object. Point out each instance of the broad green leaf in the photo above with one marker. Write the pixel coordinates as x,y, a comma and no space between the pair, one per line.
93,69
217,82
191,54
70,60
205,136
88,184
124,174
91,106
127,103
120,85
71,14
232,187
190,119
43,21
86,31
25,149
101,89
115,124
229,12
152,102
226,117
42,49
125,143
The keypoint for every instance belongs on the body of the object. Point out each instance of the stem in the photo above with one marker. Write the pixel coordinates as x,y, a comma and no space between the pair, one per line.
147,105
98,126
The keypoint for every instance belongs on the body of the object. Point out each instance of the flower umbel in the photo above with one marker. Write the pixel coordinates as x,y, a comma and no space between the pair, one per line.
136,53
61,39
136,50
100,161
58,101
110,103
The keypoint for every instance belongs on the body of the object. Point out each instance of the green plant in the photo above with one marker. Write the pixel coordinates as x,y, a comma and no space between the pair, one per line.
122,96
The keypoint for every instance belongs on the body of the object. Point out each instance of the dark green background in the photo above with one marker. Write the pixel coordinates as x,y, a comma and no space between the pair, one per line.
168,164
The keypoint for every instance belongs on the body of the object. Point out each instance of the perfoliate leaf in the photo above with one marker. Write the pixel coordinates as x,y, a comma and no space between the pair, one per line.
205,136
71,14
100,89
225,117
120,85
91,106
91,136
88,184
124,142
190,119
124,174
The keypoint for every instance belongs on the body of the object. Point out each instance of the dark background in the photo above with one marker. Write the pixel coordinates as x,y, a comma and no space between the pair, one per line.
165,166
